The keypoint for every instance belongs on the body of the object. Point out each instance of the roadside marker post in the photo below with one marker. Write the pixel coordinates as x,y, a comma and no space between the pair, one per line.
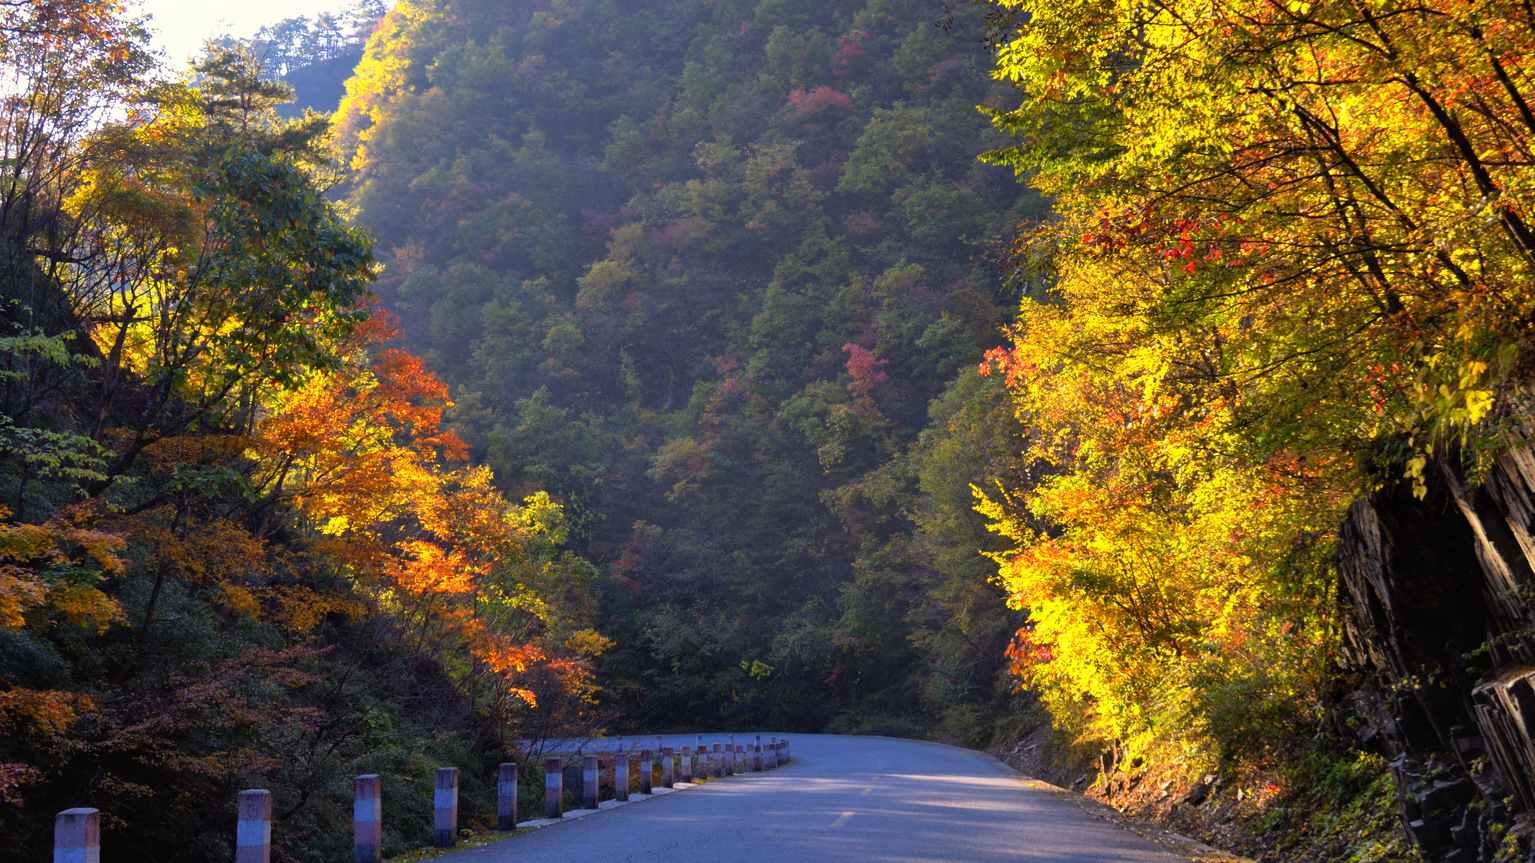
666,766
589,782
645,768
621,776
77,836
685,766
554,788
445,808
506,797
253,830
715,766
367,819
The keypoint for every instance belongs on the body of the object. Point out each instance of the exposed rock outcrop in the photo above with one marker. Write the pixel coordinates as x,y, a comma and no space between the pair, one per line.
1436,649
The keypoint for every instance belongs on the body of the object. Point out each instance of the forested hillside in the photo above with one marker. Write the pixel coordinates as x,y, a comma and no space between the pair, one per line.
705,272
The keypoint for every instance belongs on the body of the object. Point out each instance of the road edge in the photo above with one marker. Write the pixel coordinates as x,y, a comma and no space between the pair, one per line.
1196,851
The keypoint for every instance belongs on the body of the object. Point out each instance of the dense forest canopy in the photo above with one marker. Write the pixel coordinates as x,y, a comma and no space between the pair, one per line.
705,272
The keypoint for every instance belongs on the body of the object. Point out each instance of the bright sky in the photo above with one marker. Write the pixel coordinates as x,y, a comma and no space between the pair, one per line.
180,26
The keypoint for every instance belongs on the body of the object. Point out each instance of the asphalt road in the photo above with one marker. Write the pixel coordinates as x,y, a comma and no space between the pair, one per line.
843,799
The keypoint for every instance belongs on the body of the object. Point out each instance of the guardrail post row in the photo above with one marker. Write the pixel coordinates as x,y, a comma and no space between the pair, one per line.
367,819
589,782
506,797
685,766
554,787
445,808
666,767
645,758
621,776
253,830
77,836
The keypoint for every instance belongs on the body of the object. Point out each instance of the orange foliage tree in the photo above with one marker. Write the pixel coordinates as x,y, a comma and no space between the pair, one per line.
362,455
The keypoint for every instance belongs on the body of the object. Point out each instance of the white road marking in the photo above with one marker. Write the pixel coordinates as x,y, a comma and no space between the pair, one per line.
843,820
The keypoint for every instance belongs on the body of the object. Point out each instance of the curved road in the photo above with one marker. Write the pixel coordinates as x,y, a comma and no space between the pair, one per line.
843,799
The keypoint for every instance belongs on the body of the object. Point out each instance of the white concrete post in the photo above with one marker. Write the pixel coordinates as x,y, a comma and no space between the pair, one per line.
554,787
666,767
253,830
506,797
445,808
621,776
686,765
645,768
367,819
77,836
589,782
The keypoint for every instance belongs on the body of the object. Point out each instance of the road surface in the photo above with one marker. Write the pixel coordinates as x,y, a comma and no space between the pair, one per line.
844,799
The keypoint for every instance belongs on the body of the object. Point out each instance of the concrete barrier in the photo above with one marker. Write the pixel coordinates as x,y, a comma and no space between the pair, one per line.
506,797
589,782
445,808
367,819
253,829
77,832
554,788
77,836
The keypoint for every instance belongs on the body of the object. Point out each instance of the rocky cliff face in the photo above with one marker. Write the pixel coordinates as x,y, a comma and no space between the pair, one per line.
1440,597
